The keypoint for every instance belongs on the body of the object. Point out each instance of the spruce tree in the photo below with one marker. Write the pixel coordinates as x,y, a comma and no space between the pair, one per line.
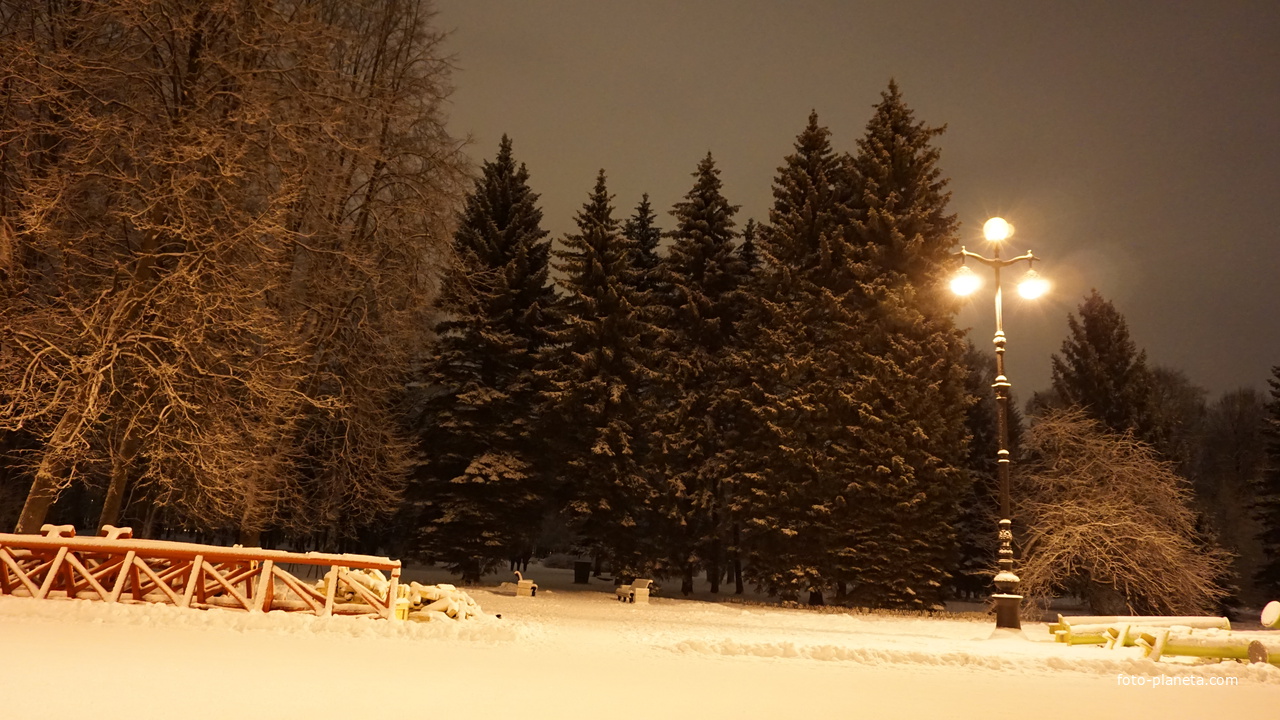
913,448
596,378
798,344
902,203
1267,496
747,250
482,489
702,276
642,230
1231,455
1101,370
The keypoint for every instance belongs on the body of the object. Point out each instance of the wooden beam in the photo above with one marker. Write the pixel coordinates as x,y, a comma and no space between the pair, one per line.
217,577
331,586
90,580
51,575
11,562
299,588
262,598
193,580
123,577
161,584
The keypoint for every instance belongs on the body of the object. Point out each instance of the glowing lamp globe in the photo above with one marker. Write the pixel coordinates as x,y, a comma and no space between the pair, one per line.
1032,285
965,282
996,229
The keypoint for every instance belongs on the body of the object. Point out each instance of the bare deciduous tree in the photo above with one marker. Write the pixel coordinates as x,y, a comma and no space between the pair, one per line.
220,228
1104,517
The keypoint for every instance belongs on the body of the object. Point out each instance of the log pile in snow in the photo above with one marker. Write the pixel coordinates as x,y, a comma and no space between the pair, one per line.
1161,637
416,601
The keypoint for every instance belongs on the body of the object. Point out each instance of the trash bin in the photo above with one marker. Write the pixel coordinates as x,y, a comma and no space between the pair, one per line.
581,572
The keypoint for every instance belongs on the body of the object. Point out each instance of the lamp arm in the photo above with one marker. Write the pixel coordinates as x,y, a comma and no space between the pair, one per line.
997,262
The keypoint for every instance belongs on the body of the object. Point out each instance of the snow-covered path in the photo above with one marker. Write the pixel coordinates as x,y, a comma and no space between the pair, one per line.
574,654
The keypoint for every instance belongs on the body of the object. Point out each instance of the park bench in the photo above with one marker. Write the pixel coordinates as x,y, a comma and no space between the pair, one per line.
637,591
525,588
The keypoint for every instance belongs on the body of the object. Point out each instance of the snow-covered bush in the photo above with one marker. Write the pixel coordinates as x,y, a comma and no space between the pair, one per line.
1102,516
562,561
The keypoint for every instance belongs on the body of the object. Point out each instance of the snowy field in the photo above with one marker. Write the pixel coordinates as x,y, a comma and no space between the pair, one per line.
575,652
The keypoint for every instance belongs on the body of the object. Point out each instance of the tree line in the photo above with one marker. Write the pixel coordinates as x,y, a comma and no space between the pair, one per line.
791,405
1222,457
247,292
783,405
221,233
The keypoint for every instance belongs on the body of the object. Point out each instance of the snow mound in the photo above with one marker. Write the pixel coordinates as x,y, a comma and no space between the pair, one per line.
483,629
1022,663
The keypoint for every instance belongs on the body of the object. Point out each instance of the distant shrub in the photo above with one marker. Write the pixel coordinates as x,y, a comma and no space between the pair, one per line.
560,561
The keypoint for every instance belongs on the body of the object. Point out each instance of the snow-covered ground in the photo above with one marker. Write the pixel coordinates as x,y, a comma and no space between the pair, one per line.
575,652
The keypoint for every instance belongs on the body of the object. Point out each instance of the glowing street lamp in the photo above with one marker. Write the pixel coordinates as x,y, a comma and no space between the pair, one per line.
1032,286
965,281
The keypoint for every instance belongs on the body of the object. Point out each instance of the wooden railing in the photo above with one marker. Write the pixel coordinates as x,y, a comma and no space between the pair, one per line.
118,568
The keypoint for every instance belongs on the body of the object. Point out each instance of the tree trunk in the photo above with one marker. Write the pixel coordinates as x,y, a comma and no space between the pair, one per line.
737,560
714,566
44,489
39,498
250,536
686,583
149,524
471,572
815,598
121,463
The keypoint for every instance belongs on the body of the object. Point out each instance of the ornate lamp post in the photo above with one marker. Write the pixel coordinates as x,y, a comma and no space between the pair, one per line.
965,282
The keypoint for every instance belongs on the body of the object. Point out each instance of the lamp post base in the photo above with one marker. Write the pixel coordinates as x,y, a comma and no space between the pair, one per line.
1007,616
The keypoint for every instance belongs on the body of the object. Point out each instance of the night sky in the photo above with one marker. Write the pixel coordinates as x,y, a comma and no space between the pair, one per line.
1134,145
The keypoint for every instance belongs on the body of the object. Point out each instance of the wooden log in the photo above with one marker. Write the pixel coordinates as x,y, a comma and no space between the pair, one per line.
1271,614
393,598
1192,621
330,587
185,551
1152,644
1168,642
1126,635
1120,636
1264,651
